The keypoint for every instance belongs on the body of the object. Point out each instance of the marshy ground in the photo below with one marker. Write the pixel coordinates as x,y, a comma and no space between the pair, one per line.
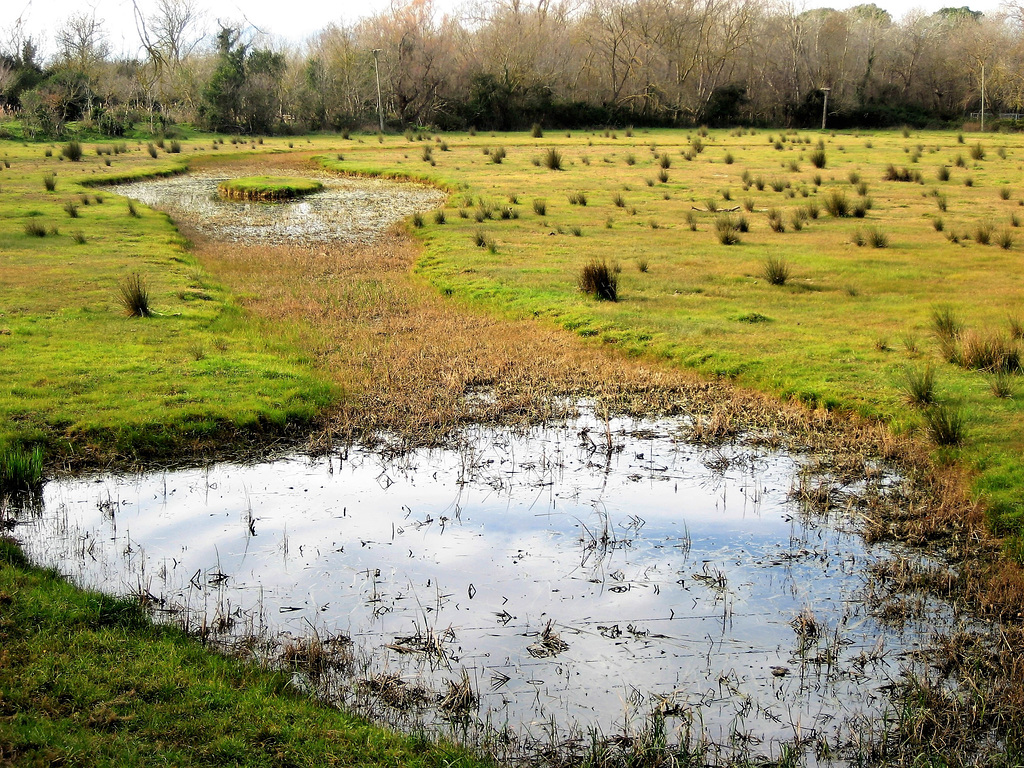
415,366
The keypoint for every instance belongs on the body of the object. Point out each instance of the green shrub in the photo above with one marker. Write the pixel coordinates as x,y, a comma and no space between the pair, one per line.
726,230
836,204
946,323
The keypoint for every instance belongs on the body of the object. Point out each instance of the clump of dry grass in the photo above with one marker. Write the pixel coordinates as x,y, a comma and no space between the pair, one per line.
988,352
600,279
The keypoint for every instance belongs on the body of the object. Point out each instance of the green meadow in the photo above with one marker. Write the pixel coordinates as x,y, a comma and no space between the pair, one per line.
84,380
856,315
731,256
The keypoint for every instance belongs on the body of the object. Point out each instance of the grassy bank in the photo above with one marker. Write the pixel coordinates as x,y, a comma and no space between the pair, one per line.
931,225
87,679
267,188
85,380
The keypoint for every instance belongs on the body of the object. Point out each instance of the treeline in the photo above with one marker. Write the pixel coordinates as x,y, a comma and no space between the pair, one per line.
511,64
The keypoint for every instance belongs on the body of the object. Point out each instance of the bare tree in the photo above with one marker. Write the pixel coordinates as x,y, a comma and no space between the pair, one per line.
169,35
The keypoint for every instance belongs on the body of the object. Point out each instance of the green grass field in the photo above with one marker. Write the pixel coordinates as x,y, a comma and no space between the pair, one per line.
83,379
841,332
89,384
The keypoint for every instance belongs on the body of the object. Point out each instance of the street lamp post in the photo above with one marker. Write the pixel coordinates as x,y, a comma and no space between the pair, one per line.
824,107
380,108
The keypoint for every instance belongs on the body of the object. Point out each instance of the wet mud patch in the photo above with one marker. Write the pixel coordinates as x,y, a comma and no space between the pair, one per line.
525,588
346,210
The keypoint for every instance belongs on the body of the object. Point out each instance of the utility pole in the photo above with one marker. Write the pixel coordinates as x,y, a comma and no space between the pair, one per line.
380,108
982,98
824,107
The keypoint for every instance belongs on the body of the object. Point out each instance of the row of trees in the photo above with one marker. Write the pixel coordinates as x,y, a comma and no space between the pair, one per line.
511,63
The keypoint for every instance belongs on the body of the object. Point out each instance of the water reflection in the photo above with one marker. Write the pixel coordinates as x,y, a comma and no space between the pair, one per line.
573,584
346,210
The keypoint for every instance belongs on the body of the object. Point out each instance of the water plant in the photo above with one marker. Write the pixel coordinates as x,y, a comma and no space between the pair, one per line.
21,470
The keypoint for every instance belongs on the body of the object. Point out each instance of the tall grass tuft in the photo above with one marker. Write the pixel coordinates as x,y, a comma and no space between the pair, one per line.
726,230
988,352
540,207
599,280
35,229
919,385
1002,385
72,151
71,209
817,158
946,323
836,204
943,173
132,210
536,131
50,182
135,297
20,470
553,159
877,238
775,270
946,426
775,221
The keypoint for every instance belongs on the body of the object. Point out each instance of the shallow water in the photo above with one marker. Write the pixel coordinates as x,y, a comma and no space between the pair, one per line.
670,575
346,210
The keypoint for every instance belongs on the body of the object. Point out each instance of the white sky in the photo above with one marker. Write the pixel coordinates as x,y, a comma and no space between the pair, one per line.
294,20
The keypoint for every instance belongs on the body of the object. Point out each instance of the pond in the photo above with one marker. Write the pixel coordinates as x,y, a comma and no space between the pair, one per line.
346,210
573,578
